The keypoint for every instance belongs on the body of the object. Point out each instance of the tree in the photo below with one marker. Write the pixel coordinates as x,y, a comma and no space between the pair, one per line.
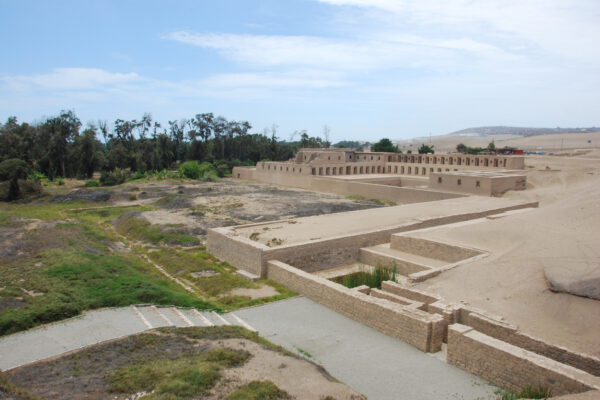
385,145
492,146
326,132
461,148
425,149
12,170
88,151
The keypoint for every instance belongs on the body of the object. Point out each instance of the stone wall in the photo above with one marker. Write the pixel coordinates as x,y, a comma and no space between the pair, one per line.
418,328
510,334
511,367
483,184
431,249
238,252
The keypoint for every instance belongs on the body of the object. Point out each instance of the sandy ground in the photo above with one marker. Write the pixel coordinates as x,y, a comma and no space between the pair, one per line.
344,224
563,232
565,142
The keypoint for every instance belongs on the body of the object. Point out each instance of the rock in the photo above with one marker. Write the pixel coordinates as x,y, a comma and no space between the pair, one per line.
577,278
96,196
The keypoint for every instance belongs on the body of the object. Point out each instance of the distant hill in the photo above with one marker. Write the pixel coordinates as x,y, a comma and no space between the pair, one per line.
513,130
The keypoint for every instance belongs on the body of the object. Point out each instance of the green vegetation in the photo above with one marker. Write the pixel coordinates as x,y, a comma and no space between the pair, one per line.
140,229
528,392
425,149
372,279
385,144
12,170
92,183
259,390
141,149
376,201
189,264
75,280
170,363
183,378
69,268
205,171
304,352
463,149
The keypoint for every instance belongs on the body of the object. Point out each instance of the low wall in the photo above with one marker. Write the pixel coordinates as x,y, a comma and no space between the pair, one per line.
510,334
415,327
403,267
511,367
345,187
247,256
431,249
244,173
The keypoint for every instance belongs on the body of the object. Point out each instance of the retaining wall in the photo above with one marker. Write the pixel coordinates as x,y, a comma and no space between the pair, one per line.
431,249
510,334
492,326
418,328
511,367
345,187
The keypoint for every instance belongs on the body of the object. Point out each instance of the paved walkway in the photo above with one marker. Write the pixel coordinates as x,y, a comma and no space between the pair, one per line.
370,362
97,326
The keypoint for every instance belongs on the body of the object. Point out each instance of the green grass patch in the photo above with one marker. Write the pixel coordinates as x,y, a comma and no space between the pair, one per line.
75,280
375,201
370,278
185,263
44,211
186,377
259,390
140,229
170,379
529,392
105,214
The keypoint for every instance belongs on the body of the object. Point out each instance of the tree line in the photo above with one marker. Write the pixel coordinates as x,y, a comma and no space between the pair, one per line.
59,146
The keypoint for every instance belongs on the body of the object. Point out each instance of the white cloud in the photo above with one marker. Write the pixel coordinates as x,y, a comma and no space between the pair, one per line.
322,53
70,79
565,29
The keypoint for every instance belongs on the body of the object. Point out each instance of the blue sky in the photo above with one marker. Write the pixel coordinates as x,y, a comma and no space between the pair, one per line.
366,68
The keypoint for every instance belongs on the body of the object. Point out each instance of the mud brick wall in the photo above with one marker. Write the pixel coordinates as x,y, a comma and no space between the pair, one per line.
431,249
509,333
418,328
239,254
373,257
511,367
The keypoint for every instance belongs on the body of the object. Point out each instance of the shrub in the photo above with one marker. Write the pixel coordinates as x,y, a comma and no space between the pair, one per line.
112,178
12,170
92,183
190,170
372,279
36,176
205,171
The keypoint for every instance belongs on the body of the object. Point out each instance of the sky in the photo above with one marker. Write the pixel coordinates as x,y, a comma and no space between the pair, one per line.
366,69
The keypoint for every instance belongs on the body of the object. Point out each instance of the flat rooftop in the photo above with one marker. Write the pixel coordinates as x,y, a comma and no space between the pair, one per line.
321,227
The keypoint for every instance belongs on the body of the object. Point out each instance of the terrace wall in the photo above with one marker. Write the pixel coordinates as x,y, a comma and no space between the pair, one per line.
415,327
511,367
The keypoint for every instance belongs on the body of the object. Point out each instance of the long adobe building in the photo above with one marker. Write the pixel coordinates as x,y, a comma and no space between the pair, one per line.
488,175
